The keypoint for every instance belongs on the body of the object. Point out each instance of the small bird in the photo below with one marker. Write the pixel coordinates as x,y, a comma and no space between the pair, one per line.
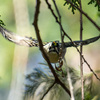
53,49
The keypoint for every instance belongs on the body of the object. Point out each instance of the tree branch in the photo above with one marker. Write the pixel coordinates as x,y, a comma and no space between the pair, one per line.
35,23
61,33
56,18
39,38
57,10
48,90
62,39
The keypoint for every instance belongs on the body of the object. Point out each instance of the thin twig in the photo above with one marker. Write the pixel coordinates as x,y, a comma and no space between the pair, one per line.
35,23
90,68
90,19
81,61
48,90
56,18
57,10
61,33
69,77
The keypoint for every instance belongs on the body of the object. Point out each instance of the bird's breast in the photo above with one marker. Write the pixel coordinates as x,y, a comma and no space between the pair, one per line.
53,57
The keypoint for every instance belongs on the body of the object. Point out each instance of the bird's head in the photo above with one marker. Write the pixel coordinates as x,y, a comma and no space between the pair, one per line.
54,47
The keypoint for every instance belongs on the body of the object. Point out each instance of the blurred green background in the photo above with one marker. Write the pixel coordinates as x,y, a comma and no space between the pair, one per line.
50,31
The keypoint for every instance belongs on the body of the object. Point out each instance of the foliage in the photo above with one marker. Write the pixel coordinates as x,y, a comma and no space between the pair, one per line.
96,2
35,79
43,75
77,3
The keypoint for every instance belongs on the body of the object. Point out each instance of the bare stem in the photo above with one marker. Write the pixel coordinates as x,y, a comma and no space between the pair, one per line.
57,10
81,61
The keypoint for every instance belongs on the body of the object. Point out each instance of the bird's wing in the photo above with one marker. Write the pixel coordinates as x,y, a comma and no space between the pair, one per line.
25,41
84,42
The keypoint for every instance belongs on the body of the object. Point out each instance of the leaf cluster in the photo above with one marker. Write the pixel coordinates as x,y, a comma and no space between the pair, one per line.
77,3
96,2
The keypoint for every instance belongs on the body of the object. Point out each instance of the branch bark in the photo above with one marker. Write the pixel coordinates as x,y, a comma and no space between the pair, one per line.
35,23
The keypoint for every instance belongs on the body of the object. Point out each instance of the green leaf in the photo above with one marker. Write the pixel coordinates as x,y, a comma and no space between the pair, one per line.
75,2
96,2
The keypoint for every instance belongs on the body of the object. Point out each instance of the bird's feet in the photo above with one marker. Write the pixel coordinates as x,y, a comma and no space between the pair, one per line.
59,68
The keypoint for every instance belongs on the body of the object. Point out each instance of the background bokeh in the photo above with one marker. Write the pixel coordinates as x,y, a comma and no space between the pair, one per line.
49,31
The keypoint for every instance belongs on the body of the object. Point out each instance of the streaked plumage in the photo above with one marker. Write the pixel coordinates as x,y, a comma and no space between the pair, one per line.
52,49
